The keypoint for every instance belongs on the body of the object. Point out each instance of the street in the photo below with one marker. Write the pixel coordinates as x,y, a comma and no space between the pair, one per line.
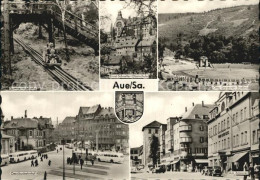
179,176
100,170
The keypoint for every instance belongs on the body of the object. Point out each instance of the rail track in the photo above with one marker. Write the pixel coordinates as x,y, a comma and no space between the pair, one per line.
67,81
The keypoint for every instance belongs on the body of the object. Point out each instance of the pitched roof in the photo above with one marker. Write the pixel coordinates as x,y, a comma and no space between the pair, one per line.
147,42
69,120
22,123
90,110
154,124
128,42
197,109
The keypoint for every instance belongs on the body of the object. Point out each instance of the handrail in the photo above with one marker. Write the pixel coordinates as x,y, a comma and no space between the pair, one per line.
89,27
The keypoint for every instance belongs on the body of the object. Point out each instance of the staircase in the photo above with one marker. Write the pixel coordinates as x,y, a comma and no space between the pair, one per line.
79,29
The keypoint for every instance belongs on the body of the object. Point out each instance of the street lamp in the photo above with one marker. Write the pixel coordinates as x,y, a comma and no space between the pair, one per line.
63,142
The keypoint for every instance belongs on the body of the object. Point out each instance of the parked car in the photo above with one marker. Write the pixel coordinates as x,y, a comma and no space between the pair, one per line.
213,171
160,169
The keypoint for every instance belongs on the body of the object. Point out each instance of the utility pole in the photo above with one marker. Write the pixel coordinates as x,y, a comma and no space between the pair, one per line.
63,142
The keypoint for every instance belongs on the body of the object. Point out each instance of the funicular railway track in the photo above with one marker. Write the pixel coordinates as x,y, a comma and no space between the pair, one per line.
67,81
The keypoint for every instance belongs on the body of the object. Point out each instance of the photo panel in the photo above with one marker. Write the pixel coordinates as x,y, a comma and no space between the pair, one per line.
62,135
50,45
128,39
208,45
196,135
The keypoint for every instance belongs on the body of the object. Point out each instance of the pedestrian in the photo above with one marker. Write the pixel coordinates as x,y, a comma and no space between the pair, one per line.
32,163
41,159
36,163
45,176
252,171
92,162
49,163
46,156
245,167
68,160
81,163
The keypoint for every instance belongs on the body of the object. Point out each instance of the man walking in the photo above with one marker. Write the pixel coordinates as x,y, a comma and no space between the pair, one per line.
49,163
81,163
32,163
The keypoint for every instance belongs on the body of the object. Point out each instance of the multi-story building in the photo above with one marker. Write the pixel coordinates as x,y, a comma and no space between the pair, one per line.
190,138
148,131
100,127
29,132
161,135
232,125
135,155
65,130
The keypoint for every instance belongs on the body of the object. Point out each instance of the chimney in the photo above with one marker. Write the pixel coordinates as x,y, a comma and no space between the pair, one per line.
25,114
202,103
186,109
192,103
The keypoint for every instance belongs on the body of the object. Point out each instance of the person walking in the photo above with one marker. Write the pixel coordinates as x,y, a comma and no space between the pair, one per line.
49,163
81,163
245,168
45,176
41,159
32,163
36,163
92,162
252,171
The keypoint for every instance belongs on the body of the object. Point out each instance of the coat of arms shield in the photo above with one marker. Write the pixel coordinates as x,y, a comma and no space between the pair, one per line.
129,105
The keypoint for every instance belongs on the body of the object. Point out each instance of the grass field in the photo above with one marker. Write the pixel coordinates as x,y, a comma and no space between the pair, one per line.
220,71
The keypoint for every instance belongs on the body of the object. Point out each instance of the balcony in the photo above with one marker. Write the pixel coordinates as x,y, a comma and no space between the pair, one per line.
185,140
185,128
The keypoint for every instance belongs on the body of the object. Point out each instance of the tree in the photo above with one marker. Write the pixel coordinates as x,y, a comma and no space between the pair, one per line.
154,149
63,8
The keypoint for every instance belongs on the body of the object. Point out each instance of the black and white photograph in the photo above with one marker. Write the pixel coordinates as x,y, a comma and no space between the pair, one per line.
62,136
128,39
50,45
129,105
208,45
197,135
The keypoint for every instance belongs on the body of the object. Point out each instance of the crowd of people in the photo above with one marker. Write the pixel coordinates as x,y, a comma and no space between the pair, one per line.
35,163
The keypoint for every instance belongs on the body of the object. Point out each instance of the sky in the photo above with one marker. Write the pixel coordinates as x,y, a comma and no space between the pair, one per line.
51,104
160,106
169,6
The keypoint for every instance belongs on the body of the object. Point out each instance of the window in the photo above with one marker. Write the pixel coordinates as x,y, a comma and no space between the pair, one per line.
201,140
30,133
218,127
237,140
237,117
149,131
228,122
242,136
234,141
156,131
254,137
201,128
245,113
225,145
224,125
228,143
242,115
245,140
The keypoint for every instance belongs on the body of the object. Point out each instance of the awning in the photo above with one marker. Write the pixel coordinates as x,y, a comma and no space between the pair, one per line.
201,161
236,157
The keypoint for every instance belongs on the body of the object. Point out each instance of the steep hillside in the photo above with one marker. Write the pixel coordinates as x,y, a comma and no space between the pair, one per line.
234,21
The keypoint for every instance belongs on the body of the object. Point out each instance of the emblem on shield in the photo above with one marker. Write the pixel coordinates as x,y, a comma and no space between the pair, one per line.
129,105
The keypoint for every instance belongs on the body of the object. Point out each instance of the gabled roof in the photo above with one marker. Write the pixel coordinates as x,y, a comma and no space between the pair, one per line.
69,120
90,110
21,123
197,109
154,124
147,42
